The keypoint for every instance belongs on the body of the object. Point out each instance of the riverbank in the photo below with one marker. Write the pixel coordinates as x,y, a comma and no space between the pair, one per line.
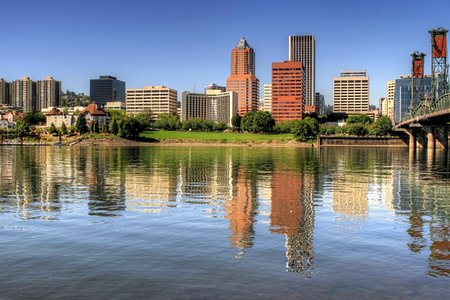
209,139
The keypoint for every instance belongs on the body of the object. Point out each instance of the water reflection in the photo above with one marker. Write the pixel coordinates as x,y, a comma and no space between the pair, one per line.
289,187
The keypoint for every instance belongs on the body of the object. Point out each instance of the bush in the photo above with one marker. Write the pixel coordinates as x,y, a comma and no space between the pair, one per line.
220,126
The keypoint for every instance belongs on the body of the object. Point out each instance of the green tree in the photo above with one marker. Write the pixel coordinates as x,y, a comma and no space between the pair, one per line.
313,125
63,129
247,121
34,118
263,122
168,121
303,132
131,128
22,129
236,122
53,129
363,119
359,129
113,128
145,118
94,128
80,125
381,127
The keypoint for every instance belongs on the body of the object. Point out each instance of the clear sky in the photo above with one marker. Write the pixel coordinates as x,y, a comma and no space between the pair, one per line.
182,44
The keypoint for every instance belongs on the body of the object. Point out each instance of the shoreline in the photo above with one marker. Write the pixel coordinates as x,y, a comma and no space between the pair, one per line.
119,142
105,140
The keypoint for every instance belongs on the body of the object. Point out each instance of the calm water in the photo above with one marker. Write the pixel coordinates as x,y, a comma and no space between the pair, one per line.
130,223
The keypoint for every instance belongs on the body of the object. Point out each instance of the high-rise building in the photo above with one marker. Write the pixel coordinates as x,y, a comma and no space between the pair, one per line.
48,93
351,92
242,79
213,87
402,96
302,48
267,97
320,104
23,94
107,89
157,99
288,90
4,92
214,105
388,103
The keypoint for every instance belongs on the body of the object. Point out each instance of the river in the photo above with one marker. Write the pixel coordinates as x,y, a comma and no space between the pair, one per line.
223,223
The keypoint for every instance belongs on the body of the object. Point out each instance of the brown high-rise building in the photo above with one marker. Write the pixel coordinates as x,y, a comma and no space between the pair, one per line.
242,79
288,90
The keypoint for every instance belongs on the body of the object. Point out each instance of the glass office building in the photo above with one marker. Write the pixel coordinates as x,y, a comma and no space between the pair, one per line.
402,97
107,89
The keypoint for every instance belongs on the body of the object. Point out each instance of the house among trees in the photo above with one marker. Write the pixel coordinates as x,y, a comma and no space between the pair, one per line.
57,117
93,113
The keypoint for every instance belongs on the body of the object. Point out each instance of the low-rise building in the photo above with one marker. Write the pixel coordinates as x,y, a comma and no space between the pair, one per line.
58,117
115,105
93,113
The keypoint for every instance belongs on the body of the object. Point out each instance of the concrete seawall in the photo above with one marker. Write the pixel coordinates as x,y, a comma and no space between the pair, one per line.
347,141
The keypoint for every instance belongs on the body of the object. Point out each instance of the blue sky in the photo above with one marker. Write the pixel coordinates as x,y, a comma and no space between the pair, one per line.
182,44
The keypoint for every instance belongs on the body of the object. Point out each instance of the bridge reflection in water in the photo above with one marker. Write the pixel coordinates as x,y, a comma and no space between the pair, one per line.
300,186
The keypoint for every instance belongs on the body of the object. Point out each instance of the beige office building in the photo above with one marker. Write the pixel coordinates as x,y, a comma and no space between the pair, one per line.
158,99
214,105
267,98
351,92
388,107
23,94
48,93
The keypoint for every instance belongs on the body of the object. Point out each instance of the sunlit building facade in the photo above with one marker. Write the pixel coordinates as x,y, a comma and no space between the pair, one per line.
243,80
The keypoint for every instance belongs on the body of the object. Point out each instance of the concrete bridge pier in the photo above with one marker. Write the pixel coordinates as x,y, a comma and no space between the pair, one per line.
412,140
441,137
421,138
431,139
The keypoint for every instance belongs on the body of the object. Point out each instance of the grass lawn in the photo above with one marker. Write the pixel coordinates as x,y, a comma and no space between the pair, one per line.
214,136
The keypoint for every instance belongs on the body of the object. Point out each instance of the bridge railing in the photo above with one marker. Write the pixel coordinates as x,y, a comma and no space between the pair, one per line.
428,107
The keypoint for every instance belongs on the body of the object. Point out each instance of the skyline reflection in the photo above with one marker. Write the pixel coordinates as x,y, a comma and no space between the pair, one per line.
44,183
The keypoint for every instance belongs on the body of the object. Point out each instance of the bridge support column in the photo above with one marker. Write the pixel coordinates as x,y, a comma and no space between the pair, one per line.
421,138
441,136
412,140
431,140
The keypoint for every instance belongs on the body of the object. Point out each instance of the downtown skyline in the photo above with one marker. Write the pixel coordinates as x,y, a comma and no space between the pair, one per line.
188,47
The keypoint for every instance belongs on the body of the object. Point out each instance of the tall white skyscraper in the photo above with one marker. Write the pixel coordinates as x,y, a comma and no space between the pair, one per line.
303,48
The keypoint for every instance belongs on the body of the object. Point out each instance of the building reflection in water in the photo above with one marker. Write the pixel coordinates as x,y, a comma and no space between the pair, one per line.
42,182
240,209
293,215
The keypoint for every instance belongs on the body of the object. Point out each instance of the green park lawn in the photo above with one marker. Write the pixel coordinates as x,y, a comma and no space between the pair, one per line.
214,136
